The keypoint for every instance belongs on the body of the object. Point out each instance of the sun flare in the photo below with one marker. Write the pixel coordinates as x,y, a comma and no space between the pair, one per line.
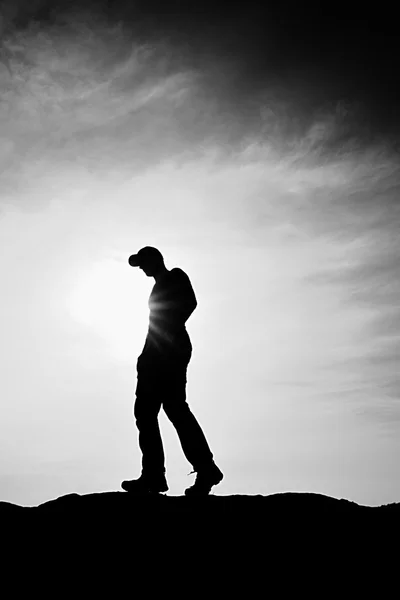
111,298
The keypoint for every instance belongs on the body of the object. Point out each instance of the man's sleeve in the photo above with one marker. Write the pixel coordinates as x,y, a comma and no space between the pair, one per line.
183,287
184,297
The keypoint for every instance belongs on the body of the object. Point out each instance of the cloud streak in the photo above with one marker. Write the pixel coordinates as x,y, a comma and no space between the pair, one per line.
284,212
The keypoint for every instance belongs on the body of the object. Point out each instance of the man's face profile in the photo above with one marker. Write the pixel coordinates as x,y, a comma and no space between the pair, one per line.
147,268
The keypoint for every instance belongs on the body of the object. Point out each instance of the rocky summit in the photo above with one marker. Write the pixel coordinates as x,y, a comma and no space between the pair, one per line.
216,545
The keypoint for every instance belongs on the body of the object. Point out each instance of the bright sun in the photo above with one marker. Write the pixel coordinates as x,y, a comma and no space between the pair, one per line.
111,298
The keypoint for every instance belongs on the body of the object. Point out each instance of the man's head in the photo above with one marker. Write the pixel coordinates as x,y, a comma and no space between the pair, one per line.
149,259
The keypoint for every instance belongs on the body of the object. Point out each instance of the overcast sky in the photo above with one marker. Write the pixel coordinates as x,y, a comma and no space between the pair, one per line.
271,181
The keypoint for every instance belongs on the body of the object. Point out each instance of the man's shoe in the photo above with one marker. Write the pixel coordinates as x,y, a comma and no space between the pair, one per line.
146,485
205,480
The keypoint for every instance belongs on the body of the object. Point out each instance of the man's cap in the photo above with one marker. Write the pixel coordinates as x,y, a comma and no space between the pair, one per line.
145,255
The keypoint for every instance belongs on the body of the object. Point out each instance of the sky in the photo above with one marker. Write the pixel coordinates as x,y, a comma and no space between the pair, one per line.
259,153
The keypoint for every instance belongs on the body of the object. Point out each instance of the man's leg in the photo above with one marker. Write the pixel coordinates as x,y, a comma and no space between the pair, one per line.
146,410
191,436
193,442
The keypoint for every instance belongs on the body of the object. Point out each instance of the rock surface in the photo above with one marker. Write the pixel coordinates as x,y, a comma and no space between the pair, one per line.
218,545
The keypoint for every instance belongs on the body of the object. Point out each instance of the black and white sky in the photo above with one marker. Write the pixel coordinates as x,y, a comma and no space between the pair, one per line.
257,144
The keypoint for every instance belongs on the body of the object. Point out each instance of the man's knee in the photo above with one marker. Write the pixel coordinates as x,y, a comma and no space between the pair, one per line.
177,410
145,410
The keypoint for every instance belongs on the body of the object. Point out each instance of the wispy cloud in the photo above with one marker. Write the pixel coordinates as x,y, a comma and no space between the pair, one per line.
286,218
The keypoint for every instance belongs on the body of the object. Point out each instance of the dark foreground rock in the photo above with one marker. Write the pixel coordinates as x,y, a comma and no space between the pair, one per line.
216,545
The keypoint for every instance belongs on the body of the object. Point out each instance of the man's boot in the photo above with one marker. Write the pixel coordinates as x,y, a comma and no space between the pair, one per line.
146,484
205,479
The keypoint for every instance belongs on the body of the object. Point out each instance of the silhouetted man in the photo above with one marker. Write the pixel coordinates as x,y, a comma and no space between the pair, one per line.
161,380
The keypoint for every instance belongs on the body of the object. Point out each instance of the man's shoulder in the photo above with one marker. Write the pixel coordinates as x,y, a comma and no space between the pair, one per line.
179,279
178,274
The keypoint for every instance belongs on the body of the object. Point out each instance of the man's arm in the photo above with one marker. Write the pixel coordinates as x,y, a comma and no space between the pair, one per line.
184,302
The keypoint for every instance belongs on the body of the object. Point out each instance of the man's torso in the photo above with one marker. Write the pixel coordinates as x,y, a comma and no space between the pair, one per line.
167,336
